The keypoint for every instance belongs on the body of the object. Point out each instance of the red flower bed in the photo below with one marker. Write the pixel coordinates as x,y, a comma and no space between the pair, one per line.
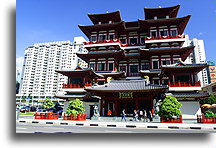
174,119
47,116
76,117
206,119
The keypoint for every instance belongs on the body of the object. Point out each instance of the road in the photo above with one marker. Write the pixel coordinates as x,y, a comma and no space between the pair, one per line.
38,128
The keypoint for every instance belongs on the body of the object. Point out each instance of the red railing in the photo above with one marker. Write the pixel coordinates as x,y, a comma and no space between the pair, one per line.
165,37
206,119
76,117
184,84
76,85
174,119
103,41
112,41
46,116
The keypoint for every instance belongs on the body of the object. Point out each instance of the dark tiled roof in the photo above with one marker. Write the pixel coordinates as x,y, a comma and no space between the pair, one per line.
187,94
127,85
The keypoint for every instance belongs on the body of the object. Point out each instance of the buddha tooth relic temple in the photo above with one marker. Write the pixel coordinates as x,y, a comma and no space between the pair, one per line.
132,65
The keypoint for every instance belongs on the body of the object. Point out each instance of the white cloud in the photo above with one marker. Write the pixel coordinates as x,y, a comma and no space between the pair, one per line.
19,65
201,33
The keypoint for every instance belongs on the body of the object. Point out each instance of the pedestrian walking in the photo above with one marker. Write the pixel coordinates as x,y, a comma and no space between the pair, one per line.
149,115
123,115
145,119
140,115
135,115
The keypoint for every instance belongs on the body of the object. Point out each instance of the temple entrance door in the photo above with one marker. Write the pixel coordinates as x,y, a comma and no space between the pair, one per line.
129,107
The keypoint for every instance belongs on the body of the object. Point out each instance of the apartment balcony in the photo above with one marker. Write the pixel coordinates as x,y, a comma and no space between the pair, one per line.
164,39
186,86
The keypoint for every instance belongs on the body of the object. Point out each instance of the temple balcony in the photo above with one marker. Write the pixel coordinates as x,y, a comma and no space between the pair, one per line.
75,87
161,39
112,42
102,43
184,86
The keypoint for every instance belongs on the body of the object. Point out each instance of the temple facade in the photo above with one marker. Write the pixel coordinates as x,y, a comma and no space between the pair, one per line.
132,65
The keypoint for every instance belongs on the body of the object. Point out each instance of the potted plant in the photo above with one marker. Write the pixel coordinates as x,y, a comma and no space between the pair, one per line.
170,110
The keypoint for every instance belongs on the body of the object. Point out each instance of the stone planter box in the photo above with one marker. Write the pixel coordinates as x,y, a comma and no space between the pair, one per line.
211,119
74,117
174,119
46,116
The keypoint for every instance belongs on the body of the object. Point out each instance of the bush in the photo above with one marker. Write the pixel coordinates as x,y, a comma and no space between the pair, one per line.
170,107
211,100
208,112
48,104
76,106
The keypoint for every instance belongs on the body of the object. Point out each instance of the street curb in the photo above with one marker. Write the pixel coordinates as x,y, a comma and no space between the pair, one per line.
121,125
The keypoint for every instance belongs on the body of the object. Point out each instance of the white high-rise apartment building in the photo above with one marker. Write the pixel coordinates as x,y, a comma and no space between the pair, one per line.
39,78
200,58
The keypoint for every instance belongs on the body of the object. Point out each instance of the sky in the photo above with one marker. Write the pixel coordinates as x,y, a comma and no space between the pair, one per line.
39,21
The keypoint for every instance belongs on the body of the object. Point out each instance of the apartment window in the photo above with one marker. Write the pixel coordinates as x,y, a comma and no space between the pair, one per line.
155,64
101,66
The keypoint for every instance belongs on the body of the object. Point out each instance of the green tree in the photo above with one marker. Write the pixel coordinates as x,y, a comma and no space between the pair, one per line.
76,106
170,107
48,104
211,100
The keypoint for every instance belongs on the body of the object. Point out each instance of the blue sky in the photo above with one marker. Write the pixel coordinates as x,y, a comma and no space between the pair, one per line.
57,20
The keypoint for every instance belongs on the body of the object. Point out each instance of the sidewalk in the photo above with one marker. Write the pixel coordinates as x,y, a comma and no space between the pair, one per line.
122,124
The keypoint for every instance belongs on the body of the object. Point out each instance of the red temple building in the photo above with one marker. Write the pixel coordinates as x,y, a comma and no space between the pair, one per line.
134,64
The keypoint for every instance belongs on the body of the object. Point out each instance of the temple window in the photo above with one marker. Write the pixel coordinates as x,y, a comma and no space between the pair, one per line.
182,78
111,66
101,66
102,37
93,38
92,65
156,81
111,36
133,68
142,41
153,33
173,31
165,61
165,82
123,40
155,64
133,40
163,32
145,66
